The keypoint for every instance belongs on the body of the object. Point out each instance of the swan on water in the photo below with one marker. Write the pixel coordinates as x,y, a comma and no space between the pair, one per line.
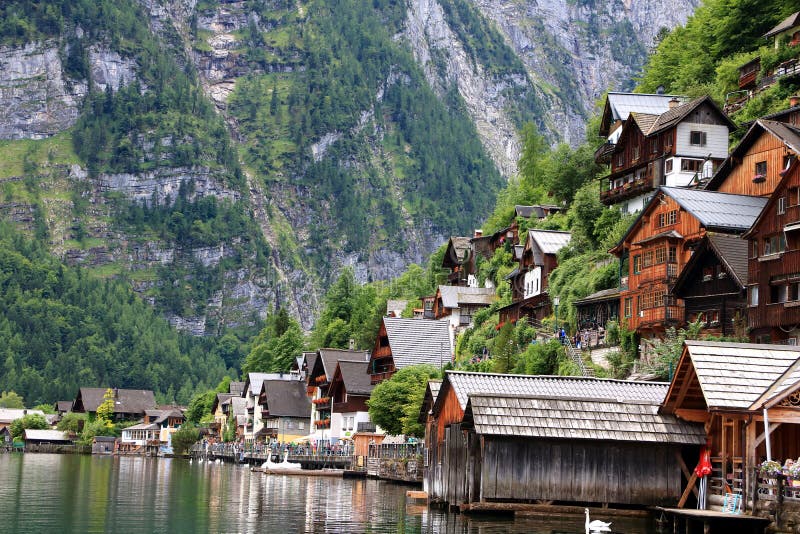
284,465
596,525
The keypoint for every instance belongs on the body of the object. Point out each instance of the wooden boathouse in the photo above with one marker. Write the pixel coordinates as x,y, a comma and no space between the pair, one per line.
514,440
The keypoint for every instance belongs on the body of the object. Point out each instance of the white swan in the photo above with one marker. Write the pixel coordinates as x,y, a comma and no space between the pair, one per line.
596,526
275,466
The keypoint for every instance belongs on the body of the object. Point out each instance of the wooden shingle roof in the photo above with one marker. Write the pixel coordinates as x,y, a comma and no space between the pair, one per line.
355,377
418,341
789,22
584,419
127,401
455,296
329,358
465,384
735,375
287,398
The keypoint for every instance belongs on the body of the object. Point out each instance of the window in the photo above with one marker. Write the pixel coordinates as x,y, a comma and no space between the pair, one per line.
620,160
774,244
753,296
668,166
661,255
653,146
755,248
697,138
778,294
673,255
647,260
628,306
691,165
635,152
761,169
781,205
637,264
667,219
794,291
301,425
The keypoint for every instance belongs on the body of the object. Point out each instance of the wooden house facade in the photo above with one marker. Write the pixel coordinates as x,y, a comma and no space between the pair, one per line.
675,148
129,404
529,281
350,390
732,388
713,285
757,164
459,260
322,367
458,303
774,264
285,410
594,311
468,456
659,244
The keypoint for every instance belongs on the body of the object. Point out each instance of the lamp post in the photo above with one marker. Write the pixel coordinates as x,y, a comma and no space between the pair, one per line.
556,300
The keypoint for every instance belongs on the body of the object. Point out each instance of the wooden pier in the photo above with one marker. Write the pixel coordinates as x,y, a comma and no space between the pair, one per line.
688,521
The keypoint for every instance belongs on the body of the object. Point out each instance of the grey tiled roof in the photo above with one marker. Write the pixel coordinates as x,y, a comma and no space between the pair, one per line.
453,296
418,341
132,401
603,294
785,385
732,250
355,377
721,211
589,419
549,241
789,22
465,384
44,435
236,388
287,398
735,375
257,379
330,358
622,104
435,386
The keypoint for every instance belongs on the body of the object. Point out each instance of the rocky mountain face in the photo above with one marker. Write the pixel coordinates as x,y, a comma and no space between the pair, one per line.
491,64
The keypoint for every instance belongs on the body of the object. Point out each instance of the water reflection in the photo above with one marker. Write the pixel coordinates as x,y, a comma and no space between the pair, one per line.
62,493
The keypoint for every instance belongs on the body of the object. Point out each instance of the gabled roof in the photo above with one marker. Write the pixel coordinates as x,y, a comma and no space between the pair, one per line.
63,406
457,251
44,435
329,358
734,375
583,419
465,384
455,296
789,22
128,401
787,384
355,377
143,426
599,296
537,210
252,385
786,133
619,105
429,399
549,241
236,388
773,198
731,251
644,121
239,406
287,398
673,116
10,414
418,341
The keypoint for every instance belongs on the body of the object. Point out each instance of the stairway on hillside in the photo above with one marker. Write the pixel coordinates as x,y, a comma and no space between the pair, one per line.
577,357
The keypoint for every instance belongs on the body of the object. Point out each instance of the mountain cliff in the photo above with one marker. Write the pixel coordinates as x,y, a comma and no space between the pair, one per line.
231,156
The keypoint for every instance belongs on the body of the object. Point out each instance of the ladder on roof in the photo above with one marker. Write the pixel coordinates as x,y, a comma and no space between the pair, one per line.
577,357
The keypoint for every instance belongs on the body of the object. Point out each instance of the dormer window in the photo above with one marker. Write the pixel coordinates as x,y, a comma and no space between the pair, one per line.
697,138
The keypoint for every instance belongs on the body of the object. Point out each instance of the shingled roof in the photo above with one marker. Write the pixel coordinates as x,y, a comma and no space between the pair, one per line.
465,384
619,106
287,398
418,341
355,378
675,115
549,241
126,401
455,296
716,210
599,296
789,22
585,419
731,250
329,358
735,375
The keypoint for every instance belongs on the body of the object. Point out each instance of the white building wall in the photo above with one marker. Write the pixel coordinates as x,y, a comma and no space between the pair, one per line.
716,140
533,282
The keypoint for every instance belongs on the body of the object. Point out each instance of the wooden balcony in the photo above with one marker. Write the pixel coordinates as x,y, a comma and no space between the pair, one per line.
377,378
603,154
661,273
661,315
629,190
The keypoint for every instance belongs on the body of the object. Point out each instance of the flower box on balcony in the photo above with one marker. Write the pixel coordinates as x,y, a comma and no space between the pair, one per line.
759,178
322,400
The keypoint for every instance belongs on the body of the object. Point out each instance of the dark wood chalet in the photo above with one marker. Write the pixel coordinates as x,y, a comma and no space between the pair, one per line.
730,388
713,285
351,387
659,244
128,403
760,159
406,342
529,281
509,439
675,148
322,367
486,245
459,260
285,410
774,264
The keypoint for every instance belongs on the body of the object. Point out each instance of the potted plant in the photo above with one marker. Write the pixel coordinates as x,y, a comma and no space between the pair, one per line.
758,178
794,474
770,468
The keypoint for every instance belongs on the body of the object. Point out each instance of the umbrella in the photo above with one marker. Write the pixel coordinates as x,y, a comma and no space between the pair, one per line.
702,470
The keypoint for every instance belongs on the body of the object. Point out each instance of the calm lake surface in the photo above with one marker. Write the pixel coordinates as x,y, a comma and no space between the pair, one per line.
70,493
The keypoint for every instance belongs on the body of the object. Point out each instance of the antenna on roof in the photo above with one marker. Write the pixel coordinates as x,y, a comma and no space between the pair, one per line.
660,90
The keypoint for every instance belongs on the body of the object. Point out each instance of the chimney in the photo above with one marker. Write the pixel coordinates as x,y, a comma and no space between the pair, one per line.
660,90
794,100
478,232
352,344
674,103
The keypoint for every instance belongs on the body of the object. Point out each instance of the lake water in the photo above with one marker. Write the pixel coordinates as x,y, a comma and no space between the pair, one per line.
44,493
